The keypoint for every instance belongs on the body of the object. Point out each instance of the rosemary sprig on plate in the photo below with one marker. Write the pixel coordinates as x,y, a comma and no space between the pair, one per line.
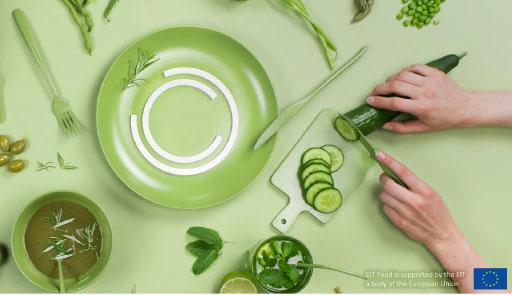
144,60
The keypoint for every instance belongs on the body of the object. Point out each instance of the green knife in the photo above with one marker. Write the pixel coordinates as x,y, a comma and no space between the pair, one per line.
371,150
2,102
287,114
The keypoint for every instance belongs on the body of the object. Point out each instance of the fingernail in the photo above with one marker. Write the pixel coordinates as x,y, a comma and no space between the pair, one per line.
388,127
370,99
380,155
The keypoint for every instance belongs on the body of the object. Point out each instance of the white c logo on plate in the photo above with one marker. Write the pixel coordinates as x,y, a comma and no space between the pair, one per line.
193,158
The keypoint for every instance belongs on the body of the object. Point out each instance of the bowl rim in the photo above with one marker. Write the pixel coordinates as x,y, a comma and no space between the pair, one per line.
21,225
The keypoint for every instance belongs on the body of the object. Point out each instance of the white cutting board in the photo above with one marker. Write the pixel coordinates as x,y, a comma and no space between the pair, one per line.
346,179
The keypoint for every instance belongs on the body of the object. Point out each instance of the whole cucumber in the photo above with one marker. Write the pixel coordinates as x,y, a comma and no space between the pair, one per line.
368,118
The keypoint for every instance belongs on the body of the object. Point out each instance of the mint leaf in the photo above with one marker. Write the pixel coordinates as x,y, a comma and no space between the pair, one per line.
267,260
207,235
198,248
293,273
276,248
286,249
204,261
275,278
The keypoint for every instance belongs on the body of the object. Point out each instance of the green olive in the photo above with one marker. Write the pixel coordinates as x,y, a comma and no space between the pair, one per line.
4,143
4,159
4,254
16,166
18,147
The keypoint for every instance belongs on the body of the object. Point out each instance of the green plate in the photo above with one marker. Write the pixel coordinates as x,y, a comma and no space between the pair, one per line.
23,261
183,138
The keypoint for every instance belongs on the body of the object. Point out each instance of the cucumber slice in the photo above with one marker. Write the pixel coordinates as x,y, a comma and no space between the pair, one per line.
345,129
337,156
310,169
314,189
316,154
317,176
314,161
328,200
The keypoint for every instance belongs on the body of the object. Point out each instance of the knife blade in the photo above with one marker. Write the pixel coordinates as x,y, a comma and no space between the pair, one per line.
371,150
288,113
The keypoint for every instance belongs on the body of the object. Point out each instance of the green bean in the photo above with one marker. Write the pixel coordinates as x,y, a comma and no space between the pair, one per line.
110,6
83,27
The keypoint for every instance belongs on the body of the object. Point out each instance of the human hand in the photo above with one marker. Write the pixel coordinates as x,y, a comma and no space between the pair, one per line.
419,211
434,99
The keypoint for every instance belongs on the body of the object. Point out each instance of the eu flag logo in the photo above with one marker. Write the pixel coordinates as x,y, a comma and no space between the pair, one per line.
490,278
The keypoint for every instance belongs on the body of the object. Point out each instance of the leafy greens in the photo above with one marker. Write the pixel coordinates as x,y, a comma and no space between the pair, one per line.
206,248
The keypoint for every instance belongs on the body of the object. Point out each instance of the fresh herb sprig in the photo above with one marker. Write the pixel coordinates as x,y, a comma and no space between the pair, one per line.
279,273
44,166
79,12
87,234
207,248
65,165
57,220
109,8
144,60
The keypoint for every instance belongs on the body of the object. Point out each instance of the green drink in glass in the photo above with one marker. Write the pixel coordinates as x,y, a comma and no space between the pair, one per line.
273,264
283,264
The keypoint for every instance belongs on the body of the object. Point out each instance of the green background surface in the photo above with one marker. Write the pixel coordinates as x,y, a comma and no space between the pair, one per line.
470,168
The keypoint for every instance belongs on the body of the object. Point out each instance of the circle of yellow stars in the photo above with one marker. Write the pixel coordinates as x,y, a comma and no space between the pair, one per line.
490,273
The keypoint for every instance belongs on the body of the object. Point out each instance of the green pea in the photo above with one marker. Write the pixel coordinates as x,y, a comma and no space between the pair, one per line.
412,5
16,166
436,22
428,21
405,1
415,22
419,9
399,16
410,12
424,12
404,9
18,147
5,144
4,159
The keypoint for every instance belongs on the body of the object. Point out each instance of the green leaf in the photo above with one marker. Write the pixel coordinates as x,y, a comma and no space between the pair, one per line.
275,278
198,248
204,261
207,235
277,249
266,260
286,249
293,273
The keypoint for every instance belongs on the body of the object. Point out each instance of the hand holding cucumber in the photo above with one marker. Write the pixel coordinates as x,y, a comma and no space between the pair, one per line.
421,213
438,102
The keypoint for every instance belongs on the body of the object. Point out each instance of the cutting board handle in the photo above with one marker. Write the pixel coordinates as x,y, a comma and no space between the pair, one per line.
285,219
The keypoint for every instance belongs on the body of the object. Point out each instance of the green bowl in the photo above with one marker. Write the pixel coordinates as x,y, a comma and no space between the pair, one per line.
25,264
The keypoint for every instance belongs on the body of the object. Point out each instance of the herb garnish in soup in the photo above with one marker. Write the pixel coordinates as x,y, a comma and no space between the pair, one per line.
64,231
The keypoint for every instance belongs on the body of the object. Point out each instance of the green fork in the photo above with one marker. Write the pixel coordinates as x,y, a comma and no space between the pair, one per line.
61,108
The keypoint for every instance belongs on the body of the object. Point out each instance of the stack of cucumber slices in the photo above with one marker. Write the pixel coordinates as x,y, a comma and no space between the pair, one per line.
315,175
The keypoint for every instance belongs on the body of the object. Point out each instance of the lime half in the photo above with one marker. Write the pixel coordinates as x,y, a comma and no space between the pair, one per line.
238,282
